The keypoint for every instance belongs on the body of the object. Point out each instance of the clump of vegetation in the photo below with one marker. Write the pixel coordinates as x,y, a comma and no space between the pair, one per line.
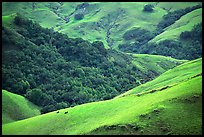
79,16
148,8
138,34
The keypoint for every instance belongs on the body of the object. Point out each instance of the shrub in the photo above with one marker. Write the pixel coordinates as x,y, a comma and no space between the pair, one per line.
148,8
79,16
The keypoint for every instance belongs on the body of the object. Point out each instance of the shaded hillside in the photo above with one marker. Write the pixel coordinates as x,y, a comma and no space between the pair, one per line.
55,71
16,107
176,110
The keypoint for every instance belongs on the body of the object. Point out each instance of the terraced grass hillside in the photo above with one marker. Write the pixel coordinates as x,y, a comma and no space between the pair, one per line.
16,107
100,20
175,110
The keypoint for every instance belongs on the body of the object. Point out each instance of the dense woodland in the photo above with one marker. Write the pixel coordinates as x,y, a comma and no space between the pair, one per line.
54,71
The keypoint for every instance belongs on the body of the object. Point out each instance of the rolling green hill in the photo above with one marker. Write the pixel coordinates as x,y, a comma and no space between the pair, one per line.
170,77
173,110
16,107
101,21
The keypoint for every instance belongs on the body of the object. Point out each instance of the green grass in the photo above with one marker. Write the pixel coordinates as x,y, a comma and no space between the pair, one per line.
133,17
170,77
175,112
177,5
7,21
185,23
16,107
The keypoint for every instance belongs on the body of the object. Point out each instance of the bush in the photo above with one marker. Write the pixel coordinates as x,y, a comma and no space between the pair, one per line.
79,16
148,8
185,35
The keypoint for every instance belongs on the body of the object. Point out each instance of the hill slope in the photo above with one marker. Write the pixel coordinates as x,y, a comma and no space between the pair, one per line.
16,107
100,21
170,77
173,110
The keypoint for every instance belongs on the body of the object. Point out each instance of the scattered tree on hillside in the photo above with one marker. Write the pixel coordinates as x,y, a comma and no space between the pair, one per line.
148,8
79,16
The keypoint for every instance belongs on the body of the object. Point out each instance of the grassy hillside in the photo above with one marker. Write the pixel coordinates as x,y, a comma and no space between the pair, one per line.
174,110
101,21
16,107
172,6
170,77
185,23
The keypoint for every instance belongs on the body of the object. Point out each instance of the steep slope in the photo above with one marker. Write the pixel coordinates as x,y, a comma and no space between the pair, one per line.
174,110
16,107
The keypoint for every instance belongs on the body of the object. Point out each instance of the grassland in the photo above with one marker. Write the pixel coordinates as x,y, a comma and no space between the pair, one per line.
16,107
170,77
174,110
117,22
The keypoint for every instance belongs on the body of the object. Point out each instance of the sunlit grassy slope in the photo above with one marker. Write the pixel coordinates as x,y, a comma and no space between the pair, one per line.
185,23
16,107
170,77
174,110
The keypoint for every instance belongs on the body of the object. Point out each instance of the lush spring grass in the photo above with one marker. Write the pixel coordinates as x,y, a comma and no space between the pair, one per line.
179,111
16,107
170,77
